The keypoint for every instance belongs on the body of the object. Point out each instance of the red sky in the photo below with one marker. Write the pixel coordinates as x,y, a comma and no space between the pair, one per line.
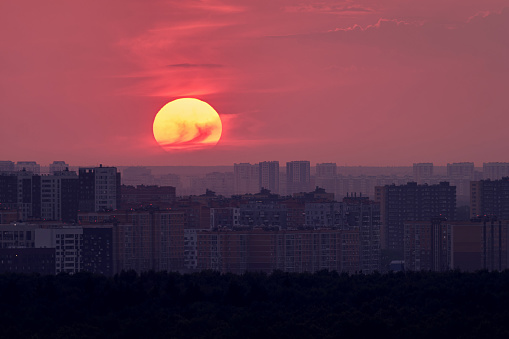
369,82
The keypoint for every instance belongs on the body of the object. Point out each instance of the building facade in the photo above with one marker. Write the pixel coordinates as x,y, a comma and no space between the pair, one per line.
298,177
412,202
269,176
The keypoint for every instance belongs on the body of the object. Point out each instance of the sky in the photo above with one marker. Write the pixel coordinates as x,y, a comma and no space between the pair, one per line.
370,83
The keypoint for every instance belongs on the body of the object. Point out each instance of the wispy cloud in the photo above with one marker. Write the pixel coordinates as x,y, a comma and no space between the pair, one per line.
189,65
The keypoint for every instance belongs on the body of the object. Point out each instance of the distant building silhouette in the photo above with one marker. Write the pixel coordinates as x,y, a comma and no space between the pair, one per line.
423,172
7,166
326,176
490,198
412,202
441,245
269,176
246,178
28,166
298,177
495,170
58,166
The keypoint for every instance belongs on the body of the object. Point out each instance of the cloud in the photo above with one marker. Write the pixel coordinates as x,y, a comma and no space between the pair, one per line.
188,65
330,9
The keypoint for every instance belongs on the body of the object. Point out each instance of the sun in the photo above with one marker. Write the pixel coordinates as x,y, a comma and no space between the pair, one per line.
187,123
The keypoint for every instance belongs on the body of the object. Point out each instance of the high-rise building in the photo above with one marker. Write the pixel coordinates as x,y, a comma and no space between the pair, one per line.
58,166
28,166
29,195
257,213
246,178
269,250
298,177
461,170
137,176
460,175
49,197
219,182
440,245
364,214
67,242
59,196
412,202
326,176
495,170
97,250
8,190
427,245
269,176
150,240
99,189
490,198
6,166
423,172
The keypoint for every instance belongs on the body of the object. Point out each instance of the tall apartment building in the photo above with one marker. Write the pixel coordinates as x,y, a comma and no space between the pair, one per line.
326,176
58,166
8,191
224,217
150,240
257,213
67,242
460,175
28,166
289,251
6,166
441,245
269,176
99,189
246,178
490,198
145,195
423,172
412,202
220,183
495,170
59,196
97,249
461,170
324,215
298,177
427,245
364,214
48,197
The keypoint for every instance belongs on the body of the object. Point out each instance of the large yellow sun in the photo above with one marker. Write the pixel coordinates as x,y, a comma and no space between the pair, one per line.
187,123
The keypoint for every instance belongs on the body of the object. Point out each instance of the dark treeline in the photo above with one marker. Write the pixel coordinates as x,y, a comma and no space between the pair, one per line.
256,305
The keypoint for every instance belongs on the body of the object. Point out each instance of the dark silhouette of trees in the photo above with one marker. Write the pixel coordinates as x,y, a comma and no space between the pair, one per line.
253,305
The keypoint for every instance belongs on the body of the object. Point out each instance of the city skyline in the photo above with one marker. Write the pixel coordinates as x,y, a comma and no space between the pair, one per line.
361,83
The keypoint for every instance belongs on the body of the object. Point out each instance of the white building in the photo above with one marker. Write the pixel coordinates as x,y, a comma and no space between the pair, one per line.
67,242
99,188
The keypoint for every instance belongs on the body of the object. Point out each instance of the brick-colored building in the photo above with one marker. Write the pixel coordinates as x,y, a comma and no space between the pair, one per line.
441,245
290,251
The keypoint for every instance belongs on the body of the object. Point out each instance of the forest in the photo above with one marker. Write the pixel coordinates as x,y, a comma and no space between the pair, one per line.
255,305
